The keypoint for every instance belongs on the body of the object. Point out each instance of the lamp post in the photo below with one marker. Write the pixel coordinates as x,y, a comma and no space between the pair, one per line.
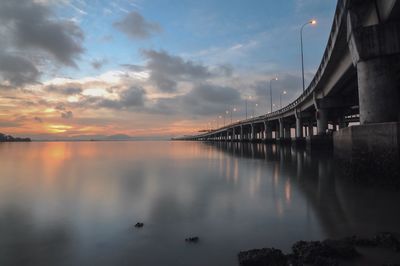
312,22
226,112
233,110
270,90
280,98
247,98
254,110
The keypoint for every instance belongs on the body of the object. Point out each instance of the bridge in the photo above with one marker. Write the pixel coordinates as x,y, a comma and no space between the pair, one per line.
357,82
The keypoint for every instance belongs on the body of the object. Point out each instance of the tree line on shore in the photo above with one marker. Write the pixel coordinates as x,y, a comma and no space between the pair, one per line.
9,138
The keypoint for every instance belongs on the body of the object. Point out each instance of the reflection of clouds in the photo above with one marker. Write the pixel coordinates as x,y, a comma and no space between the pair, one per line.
101,189
288,191
284,163
235,170
23,242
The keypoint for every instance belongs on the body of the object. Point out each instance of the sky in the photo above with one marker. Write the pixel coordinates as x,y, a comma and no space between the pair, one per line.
151,68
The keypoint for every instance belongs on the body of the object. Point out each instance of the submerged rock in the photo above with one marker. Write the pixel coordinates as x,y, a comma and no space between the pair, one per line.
360,242
139,225
320,253
193,239
313,251
388,240
262,257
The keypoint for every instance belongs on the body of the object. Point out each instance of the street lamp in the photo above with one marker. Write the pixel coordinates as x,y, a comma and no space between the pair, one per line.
270,90
233,110
312,22
226,112
280,98
220,117
246,104
254,110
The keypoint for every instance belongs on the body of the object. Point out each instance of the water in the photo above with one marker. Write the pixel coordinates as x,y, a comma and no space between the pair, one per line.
76,203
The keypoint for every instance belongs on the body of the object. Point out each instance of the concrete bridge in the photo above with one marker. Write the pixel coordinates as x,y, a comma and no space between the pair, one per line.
358,80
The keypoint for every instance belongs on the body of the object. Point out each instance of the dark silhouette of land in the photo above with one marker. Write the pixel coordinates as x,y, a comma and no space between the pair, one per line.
9,138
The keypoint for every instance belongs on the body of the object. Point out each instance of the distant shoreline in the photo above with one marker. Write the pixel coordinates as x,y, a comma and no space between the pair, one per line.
105,140
9,138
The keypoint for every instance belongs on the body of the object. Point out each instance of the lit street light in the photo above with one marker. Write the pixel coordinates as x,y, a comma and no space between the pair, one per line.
270,90
246,104
280,98
254,110
312,22
233,110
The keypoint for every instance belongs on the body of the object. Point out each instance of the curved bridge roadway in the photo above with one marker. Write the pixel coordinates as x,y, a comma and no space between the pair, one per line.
357,81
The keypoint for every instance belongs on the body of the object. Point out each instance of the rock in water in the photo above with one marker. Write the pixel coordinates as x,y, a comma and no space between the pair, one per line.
388,240
139,225
193,239
313,251
262,257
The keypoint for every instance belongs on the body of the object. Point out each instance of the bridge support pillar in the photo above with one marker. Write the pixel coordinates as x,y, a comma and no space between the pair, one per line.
322,121
265,131
253,132
287,132
299,125
281,129
375,52
371,151
241,133
299,138
268,132
310,129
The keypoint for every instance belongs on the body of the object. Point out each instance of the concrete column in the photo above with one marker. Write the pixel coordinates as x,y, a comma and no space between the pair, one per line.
277,131
299,127
265,130
375,52
322,121
268,132
241,133
253,132
281,129
227,135
287,132
310,129
378,90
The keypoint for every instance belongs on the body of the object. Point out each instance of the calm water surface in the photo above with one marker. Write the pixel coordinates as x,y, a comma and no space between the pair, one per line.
75,203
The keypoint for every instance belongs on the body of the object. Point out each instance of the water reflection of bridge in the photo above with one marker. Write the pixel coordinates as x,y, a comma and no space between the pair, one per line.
342,208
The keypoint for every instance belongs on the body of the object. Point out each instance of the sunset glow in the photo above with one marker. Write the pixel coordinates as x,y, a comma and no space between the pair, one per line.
93,74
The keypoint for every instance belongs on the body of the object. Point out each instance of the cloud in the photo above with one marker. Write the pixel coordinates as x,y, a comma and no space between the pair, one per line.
225,70
133,97
202,100
38,119
136,27
98,63
67,115
31,30
166,70
289,83
209,99
16,70
64,90
131,67
60,107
